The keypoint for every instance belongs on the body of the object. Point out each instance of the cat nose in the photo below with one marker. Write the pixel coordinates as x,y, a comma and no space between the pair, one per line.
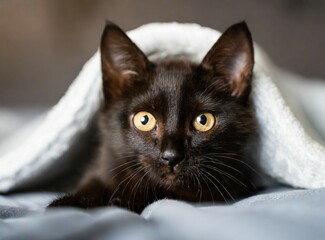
172,157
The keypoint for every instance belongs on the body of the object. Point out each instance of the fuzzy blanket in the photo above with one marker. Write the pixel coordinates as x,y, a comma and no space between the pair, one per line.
290,112
277,214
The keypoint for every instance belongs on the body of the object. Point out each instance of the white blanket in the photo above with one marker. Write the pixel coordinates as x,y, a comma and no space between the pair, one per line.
290,112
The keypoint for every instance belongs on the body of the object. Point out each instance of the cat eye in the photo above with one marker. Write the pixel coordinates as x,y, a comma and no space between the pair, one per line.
144,121
204,122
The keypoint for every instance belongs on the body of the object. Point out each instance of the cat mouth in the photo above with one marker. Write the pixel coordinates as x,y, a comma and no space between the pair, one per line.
166,175
170,175
169,170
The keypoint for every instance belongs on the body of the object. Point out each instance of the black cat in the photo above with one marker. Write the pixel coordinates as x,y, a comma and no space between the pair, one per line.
172,129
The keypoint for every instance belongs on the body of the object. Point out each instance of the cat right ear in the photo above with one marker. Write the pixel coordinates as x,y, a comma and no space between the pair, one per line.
121,60
232,57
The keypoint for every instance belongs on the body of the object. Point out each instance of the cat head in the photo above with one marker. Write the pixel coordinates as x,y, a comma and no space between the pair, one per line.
175,121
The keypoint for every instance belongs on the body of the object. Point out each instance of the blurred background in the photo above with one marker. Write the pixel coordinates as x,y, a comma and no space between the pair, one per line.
44,44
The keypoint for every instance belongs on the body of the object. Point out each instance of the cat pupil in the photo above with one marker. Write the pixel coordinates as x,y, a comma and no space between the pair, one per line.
202,119
144,119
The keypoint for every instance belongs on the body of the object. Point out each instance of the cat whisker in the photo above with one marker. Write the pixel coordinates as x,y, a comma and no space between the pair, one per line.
123,164
239,161
246,164
169,187
120,184
136,187
247,179
223,154
203,176
195,177
214,184
154,191
147,189
217,162
226,174
130,179
127,168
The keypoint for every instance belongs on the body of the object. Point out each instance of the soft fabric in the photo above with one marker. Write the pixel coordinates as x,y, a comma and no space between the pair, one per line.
279,214
291,150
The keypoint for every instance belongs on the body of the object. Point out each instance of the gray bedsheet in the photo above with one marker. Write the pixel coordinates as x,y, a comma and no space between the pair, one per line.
280,213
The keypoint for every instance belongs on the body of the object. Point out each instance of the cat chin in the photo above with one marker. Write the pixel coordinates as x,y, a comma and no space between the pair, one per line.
164,176
169,181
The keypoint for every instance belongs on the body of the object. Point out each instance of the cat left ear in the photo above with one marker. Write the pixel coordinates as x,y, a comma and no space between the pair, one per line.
122,61
232,56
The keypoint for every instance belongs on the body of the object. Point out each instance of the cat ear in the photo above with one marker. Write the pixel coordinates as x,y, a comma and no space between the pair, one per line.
122,61
232,56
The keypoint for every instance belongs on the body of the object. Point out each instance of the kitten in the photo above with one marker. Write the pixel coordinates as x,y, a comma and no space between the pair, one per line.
172,129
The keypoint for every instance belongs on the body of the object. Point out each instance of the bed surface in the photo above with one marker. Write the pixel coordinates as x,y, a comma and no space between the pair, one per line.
279,213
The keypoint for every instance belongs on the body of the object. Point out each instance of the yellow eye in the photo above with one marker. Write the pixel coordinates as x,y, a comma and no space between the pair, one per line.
204,122
144,121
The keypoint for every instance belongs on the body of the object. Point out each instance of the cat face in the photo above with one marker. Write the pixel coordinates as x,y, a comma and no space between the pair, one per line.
177,123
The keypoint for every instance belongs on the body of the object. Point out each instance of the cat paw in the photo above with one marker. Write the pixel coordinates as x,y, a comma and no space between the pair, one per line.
75,201
65,201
